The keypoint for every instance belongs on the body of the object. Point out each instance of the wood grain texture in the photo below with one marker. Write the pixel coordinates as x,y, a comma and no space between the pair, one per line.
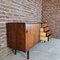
11,35
32,35
19,38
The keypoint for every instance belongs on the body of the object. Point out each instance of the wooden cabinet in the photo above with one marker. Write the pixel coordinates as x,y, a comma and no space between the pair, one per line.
22,36
45,32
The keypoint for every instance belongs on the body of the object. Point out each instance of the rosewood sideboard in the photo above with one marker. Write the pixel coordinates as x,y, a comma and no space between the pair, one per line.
22,36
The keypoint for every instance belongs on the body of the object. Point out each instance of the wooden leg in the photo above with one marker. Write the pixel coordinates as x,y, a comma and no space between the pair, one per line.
15,52
27,54
44,41
48,38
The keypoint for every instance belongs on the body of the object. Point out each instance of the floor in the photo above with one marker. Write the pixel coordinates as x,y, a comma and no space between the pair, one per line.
42,51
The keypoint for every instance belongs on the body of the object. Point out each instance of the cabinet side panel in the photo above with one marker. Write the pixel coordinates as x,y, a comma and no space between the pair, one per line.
36,33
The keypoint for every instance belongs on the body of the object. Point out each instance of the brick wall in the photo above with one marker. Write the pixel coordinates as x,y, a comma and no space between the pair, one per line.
17,11
20,10
51,14
3,44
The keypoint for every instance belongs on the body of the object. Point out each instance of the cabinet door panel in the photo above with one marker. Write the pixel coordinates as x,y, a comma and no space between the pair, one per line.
29,36
21,36
32,35
11,35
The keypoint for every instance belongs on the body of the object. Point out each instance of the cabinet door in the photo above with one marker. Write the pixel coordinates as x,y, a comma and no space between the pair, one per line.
32,35
29,36
21,36
11,35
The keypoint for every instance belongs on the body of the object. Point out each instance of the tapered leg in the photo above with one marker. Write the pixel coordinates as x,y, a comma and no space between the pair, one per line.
48,38
27,54
44,41
15,52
